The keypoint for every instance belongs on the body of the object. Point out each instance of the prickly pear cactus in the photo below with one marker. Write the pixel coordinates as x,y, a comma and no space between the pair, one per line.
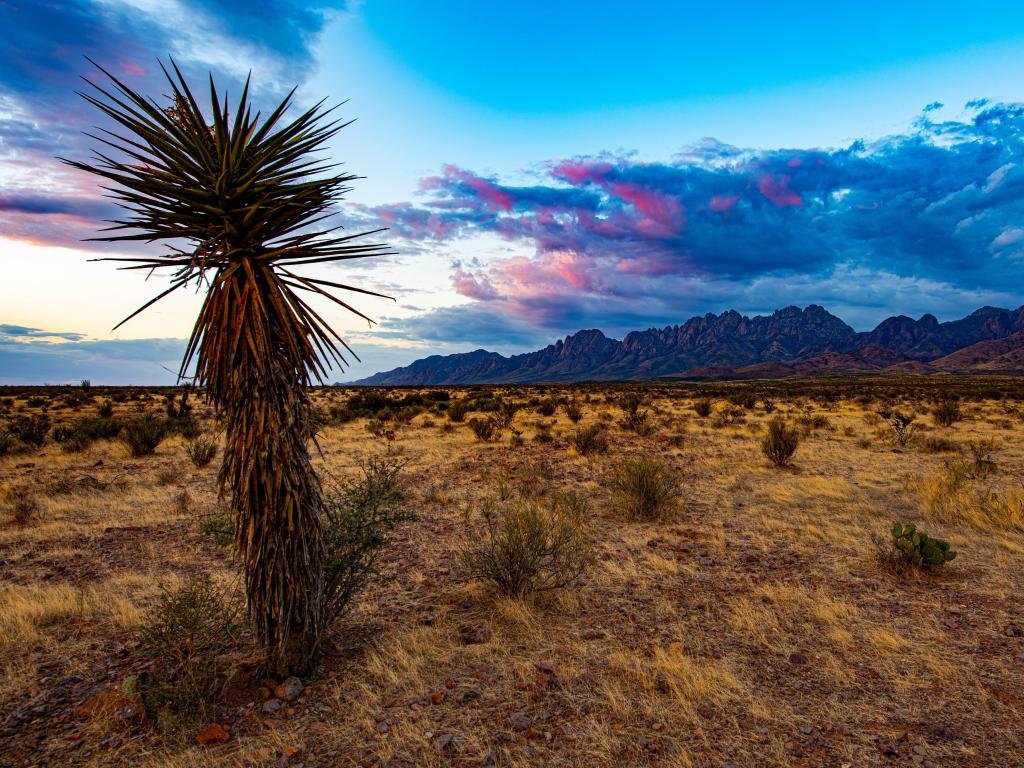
919,548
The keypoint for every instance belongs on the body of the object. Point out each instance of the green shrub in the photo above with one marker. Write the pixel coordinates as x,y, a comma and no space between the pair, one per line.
31,430
920,549
201,450
8,442
359,516
106,410
482,428
97,427
505,414
702,407
546,407
781,442
457,410
573,411
947,412
589,440
645,488
531,544
184,633
142,435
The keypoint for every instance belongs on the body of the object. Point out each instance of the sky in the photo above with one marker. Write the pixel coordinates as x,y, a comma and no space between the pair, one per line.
545,167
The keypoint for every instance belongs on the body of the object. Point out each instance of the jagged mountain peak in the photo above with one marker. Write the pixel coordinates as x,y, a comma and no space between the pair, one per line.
794,339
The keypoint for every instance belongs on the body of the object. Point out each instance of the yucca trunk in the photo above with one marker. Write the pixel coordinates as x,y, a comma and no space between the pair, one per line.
275,493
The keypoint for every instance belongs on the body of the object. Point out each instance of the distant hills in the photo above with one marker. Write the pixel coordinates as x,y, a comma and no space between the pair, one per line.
789,342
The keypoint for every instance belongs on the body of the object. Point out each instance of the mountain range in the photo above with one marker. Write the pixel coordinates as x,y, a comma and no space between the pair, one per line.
789,342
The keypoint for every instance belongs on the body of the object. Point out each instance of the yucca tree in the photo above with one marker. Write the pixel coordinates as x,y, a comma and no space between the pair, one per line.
238,201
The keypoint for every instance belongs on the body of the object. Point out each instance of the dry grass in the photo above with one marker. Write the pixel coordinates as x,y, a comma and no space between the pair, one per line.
755,626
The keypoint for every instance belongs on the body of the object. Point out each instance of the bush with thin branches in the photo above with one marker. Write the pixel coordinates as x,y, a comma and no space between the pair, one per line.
781,442
645,488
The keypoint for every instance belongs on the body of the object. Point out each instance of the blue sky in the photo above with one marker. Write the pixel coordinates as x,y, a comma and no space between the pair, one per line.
546,167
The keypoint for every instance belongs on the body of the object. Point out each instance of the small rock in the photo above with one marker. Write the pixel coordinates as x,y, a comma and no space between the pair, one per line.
797,658
472,636
270,706
706,561
213,734
519,721
289,690
449,743
437,697
383,727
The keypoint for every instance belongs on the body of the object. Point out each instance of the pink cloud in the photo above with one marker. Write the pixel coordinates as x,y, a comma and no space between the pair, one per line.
577,172
663,212
778,191
474,286
722,203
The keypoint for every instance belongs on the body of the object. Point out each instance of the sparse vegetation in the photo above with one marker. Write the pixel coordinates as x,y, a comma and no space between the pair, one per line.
201,450
781,442
645,488
531,544
143,435
589,440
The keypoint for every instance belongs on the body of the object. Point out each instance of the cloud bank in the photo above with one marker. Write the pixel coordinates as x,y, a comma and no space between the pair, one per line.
930,220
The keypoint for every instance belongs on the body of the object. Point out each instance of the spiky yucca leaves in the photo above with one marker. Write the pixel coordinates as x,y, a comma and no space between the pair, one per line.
245,195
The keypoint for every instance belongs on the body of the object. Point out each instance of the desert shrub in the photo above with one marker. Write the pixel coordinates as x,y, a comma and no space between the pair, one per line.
184,632
981,451
201,450
482,428
781,442
902,425
645,488
636,419
702,407
814,422
106,410
457,410
768,403
97,427
745,400
947,412
920,549
142,435
31,430
932,444
19,504
505,414
216,521
359,516
543,433
531,544
589,440
8,442
573,411
546,407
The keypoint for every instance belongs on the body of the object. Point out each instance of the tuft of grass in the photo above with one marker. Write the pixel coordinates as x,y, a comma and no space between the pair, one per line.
645,488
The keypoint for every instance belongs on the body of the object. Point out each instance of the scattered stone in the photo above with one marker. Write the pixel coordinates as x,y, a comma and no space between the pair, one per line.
471,636
797,658
289,690
271,706
437,697
706,561
519,721
213,734
449,743
383,727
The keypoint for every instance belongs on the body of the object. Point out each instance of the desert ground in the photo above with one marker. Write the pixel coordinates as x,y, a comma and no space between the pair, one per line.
761,617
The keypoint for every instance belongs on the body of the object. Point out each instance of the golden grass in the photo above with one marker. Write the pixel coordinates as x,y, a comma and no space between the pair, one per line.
715,637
